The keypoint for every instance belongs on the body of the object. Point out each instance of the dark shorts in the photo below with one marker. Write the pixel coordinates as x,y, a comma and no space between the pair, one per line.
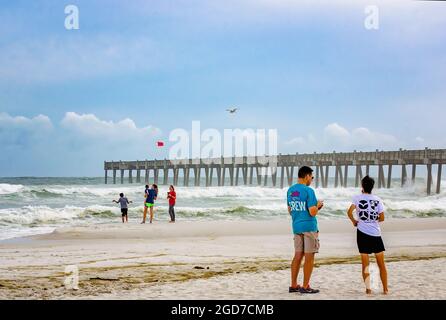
124,211
369,244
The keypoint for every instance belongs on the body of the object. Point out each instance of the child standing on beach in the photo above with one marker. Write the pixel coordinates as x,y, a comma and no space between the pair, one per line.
124,202
172,197
369,213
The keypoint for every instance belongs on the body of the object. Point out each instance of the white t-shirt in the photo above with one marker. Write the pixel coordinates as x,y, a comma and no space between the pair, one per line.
368,208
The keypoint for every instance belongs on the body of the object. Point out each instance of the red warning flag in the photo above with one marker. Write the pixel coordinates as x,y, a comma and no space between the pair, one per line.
160,144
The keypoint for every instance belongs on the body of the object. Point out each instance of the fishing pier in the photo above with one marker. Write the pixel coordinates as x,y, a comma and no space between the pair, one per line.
281,170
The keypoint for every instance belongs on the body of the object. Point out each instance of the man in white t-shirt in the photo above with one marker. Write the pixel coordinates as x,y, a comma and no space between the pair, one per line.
369,213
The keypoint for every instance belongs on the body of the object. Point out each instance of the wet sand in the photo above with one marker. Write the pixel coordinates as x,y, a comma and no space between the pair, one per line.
216,259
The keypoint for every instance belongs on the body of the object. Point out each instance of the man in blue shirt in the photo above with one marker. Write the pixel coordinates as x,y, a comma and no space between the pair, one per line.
303,208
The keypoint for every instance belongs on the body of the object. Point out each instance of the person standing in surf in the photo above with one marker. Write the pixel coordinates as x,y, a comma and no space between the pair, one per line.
124,202
303,208
151,195
146,190
172,197
369,213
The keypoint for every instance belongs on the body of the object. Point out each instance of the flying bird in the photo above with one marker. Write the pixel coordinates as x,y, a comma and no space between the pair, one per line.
232,111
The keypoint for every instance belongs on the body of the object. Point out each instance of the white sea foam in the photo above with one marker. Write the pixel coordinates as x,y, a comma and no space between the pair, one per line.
6,188
14,232
40,215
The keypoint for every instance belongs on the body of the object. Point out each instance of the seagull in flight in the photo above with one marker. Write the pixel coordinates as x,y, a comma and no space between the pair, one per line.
232,111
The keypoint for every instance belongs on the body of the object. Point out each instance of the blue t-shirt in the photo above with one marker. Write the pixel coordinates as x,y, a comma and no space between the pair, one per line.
151,194
300,198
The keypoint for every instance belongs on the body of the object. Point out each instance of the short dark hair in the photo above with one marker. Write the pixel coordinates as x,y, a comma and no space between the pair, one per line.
304,171
367,184
121,195
147,186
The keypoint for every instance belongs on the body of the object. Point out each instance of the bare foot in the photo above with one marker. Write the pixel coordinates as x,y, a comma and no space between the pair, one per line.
143,222
386,292
368,291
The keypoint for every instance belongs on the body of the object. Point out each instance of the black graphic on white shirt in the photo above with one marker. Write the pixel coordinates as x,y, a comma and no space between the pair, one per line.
368,210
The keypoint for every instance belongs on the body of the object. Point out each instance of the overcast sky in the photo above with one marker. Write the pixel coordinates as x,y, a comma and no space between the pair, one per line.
136,70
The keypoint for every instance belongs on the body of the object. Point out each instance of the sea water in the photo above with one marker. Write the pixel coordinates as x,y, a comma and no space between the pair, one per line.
40,205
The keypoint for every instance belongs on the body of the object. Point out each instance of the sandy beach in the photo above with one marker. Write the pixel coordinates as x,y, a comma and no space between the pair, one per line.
218,260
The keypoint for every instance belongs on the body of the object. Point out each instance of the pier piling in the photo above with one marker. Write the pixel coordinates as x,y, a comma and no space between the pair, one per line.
403,175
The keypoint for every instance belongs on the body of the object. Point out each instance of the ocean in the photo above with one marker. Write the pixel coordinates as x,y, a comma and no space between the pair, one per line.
39,205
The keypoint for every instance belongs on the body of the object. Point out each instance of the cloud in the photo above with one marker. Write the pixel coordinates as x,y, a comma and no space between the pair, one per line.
72,56
77,145
90,126
362,137
336,132
336,137
299,141
20,131
419,139
38,122
420,143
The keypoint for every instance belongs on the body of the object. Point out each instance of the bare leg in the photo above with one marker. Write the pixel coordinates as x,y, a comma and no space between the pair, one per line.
308,268
365,272
382,270
151,214
126,218
295,267
122,219
145,214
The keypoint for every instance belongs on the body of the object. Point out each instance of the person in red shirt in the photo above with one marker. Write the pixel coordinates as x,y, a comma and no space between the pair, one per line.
172,197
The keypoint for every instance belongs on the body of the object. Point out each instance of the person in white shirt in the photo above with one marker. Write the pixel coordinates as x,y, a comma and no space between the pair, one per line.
369,213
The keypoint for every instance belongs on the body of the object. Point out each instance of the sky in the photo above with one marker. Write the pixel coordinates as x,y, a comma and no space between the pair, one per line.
137,70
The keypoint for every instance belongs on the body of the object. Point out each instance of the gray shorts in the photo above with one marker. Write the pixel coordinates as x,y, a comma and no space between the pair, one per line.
307,242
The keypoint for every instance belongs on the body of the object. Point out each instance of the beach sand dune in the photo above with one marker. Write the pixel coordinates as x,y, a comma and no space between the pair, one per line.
217,260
